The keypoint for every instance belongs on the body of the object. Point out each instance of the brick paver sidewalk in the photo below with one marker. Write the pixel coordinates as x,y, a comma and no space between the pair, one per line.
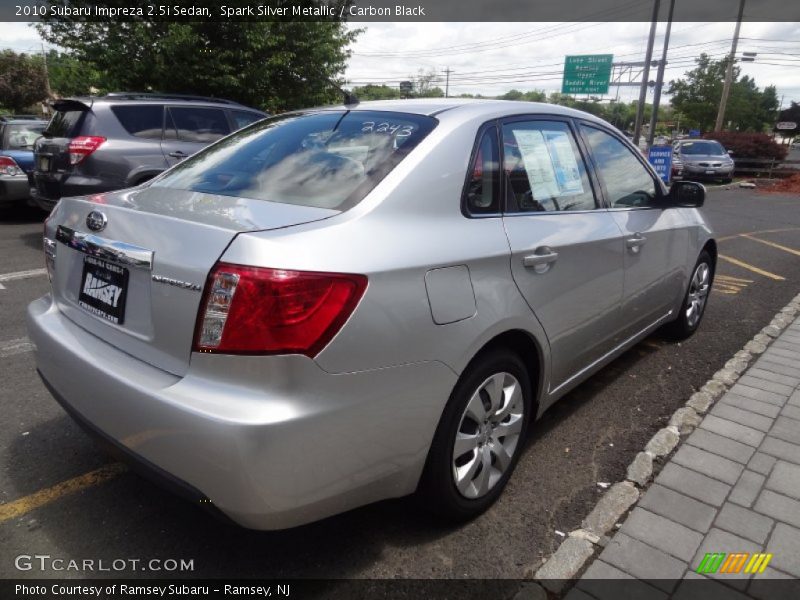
732,487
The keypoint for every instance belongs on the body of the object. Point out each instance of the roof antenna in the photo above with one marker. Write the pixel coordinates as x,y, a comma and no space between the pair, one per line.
350,98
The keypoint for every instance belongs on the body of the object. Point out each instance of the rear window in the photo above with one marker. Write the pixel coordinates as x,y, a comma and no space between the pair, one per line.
329,159
144,120
65,123
22,136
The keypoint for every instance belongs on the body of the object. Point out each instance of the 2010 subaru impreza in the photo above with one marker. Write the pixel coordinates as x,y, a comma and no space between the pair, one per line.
346,304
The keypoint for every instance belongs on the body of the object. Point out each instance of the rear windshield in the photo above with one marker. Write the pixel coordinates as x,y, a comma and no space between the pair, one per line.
329,159
709,148
64,123
22,136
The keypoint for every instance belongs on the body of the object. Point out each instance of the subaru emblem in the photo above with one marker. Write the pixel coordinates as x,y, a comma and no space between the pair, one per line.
96,221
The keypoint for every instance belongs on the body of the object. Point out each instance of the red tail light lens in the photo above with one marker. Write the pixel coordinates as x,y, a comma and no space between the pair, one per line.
83,146
251,310
8,166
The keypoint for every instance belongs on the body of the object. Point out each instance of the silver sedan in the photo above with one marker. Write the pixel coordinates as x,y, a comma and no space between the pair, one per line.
346,304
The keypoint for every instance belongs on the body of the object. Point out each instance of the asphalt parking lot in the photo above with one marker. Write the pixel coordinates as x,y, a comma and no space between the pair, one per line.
62,497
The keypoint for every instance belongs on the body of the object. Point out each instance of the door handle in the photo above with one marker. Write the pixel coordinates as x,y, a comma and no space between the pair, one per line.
635,243
541,259
178,154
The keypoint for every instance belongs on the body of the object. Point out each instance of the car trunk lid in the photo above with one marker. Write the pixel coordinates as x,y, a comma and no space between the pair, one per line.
130,266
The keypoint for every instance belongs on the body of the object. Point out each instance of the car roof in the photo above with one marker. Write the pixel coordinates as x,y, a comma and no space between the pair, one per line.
463,107
150,98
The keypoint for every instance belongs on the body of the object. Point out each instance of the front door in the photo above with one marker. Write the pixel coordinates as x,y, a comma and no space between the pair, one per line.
656,238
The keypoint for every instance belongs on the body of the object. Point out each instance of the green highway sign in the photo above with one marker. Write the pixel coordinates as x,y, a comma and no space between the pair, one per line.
587,74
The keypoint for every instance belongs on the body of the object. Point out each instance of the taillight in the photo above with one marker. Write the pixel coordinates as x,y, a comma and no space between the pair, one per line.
83,146
8,166
252,310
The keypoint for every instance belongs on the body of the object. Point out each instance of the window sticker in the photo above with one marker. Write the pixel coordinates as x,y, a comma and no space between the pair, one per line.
538,165
550,163
565,165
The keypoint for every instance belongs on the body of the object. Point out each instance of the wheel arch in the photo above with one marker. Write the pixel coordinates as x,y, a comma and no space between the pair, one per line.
528,349
711,247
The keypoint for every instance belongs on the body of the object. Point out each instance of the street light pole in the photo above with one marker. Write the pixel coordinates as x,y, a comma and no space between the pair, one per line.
637,126
726,87
660,77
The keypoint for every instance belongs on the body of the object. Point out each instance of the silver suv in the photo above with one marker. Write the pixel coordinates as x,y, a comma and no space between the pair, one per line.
105,143
345,304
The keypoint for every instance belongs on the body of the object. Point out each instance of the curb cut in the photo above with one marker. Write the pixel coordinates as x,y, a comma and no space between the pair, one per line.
580,545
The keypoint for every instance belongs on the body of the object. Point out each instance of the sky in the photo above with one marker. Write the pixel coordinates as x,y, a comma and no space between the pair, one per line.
492,58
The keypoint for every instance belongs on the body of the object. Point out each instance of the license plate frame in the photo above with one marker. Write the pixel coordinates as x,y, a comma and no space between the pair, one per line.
103,289
710,172
43,164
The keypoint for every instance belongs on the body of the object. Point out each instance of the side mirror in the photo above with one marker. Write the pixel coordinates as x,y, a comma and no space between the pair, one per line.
687,194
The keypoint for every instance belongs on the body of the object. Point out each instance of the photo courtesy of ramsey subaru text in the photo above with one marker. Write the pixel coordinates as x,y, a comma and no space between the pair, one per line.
345,304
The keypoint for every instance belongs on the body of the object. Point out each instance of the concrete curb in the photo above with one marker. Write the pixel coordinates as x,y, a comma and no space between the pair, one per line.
620,498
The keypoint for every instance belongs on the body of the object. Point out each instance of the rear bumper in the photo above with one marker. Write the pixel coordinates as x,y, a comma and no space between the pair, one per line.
48,189
272,442
13,189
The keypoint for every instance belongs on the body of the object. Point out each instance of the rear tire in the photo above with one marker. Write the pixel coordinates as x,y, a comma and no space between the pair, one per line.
695,300
479,438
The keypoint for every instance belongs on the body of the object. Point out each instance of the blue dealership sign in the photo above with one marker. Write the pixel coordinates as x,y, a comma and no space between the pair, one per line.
661,159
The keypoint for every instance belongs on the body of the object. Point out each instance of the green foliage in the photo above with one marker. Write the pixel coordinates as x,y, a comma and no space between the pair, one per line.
698,94
273,65
70,76
376,92
22,81
531,96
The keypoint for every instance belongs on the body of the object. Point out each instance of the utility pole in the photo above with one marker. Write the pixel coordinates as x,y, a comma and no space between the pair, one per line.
726,87
660,77
637,126
447,83
46,74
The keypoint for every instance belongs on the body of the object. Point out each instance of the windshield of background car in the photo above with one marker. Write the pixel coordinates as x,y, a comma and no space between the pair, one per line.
706,148
327,159
22,136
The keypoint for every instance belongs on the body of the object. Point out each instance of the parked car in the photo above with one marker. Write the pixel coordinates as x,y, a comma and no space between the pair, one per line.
119,140
17,135
705,160
341,305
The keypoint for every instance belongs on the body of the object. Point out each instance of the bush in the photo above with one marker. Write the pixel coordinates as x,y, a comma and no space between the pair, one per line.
749,145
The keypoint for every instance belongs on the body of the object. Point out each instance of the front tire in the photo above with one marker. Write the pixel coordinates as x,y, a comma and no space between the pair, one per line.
479,438
695,300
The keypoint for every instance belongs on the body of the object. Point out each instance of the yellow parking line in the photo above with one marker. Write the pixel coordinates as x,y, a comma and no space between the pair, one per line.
744,265
731,279
38,499
737,235
773,245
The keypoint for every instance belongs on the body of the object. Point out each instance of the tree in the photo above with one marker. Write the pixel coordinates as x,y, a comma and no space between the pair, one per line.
423,84
274,65
22,80
531,96
70,76
698,95
376,92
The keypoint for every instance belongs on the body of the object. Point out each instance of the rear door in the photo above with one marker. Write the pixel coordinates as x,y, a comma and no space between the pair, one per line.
566,249
189,129
656,237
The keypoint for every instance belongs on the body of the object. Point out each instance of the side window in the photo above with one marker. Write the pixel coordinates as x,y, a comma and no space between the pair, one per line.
243,118
627,181
200,125
144,120
543,168
483,184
